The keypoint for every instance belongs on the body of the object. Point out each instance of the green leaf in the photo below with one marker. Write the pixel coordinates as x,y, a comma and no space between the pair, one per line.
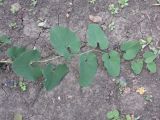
137,66
113,115
22,86
152,67
112,63
18,116
149,57
131,48
128,117
23,66
15,52
54,77
97,37
5,39
88,68
64,41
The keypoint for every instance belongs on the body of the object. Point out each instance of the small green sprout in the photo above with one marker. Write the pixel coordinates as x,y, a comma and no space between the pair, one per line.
111,26
128,117
148,98
23,86
92,1
34,3
13,25
15,8
113,9
145,42
123,3
113,115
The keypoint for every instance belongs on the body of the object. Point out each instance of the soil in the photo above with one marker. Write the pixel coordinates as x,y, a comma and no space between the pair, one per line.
68,101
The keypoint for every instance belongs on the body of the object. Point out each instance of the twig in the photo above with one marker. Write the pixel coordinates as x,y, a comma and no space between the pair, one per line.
156,4
6,61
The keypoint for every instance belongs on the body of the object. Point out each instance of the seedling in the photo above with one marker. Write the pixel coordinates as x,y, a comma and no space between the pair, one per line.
13,25
18,116
34,3
113,115
123,3
23,86
111,26
148,98
92,1
145,42
113,9
15,8
4,39
128,117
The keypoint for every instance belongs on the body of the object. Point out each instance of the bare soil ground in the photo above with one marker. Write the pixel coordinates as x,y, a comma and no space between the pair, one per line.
68,101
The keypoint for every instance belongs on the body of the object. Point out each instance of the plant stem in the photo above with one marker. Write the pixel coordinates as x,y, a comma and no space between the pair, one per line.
50,59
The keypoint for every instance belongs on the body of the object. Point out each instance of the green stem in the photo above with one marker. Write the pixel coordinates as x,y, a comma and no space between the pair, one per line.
50,59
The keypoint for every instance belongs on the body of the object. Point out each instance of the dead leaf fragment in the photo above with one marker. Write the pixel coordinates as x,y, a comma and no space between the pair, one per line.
95,19
141,90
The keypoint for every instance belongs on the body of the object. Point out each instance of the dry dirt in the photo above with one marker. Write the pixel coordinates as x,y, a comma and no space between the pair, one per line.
68,101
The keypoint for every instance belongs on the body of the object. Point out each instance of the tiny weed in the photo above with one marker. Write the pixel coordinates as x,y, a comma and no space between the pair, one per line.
13,25
148,98
92,1
113,9
128,117
34,3
23,86
15,8
123,3
111,26
113,115
145,42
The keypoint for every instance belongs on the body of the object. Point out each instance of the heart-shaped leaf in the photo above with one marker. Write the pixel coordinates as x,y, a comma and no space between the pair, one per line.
54,77
152,67
112,63
15,52
5,39
149,57
64,41
96,37
131,48
137,66
23,66
88,68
